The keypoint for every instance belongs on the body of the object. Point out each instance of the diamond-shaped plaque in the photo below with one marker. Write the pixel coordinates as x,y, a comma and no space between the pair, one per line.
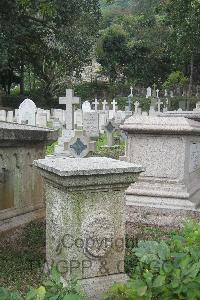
78,146
110,128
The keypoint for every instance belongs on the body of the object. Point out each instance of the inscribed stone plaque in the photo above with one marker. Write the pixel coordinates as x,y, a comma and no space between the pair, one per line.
194,163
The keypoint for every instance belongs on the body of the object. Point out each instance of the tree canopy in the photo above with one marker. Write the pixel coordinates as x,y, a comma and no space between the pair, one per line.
52,39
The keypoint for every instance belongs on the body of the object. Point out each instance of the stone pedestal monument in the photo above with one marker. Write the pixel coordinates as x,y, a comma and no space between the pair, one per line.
86,219
169,150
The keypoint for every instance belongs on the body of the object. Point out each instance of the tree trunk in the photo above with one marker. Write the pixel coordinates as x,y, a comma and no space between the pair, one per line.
191,81
21,86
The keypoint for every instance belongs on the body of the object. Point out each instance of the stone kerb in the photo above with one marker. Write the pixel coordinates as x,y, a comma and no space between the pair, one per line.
86,218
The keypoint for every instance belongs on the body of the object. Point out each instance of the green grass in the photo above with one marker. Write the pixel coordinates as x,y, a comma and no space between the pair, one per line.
22,257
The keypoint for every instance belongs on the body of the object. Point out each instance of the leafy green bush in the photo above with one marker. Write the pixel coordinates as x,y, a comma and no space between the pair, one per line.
176,79
52,289
165,270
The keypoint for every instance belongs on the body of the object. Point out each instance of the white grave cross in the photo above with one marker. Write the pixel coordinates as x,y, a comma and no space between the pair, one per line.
114,103
96,103
69,101
104,104
157,93
159,104
131,94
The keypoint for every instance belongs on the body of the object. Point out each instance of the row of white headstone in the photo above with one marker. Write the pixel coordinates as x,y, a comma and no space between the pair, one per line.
155,93
29,114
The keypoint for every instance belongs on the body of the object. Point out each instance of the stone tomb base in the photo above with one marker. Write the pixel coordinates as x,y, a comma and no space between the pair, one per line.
94,288
160,212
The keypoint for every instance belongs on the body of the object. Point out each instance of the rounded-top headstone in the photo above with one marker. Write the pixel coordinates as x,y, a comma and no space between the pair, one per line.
27,112
86,107
28,103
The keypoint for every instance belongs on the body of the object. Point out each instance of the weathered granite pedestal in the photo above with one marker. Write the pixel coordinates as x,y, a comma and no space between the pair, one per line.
169,149
86,219
21,188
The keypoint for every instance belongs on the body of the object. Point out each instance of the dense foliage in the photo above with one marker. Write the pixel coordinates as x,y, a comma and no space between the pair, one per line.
52,289
44,46
144,41
164,270
43,43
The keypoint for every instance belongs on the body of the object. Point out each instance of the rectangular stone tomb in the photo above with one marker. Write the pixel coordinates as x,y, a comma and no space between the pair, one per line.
21,187
86,218
169,149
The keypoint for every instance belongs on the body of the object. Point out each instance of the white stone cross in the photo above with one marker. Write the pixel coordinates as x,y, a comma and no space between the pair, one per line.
136,104
114,103
131,88
96,103
157,93
69,100
166,93
104,104
159,104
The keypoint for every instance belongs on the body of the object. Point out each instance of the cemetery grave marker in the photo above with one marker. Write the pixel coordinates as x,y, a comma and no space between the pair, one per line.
69,100
96,103
91,124
85,203
27,112
80,145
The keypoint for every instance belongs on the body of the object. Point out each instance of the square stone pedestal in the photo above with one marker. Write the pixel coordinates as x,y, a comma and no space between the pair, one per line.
85,202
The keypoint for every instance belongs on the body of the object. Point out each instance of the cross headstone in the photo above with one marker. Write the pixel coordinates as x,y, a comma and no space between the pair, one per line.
104,104
96,103
157,93
69,100
130,97
159,104
110,128
80,145
131,88
114,103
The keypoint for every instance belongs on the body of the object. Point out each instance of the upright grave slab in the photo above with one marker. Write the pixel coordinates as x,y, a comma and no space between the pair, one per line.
27,112
21,188
169,149
2,115
91,124
85,212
